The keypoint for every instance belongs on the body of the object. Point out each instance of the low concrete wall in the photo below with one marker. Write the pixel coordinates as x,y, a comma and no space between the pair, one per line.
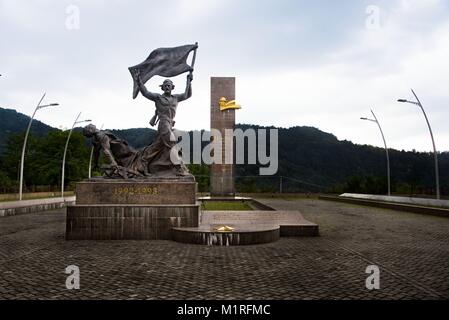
29,206
34,195
441,212
407,200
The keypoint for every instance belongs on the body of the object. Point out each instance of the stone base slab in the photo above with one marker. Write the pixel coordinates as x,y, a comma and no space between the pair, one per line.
210,237
249,227
128,222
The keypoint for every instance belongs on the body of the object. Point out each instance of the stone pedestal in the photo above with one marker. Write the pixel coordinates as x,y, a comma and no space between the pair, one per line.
109,209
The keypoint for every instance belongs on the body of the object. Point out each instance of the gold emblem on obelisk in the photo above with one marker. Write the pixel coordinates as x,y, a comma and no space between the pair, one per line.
228,105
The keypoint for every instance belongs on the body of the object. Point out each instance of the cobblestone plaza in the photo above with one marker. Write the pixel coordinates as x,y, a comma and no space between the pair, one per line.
411,251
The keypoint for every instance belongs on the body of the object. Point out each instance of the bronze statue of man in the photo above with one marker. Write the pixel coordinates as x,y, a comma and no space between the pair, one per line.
163,152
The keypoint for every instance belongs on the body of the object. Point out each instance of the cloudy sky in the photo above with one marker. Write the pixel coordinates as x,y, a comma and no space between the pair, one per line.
319,63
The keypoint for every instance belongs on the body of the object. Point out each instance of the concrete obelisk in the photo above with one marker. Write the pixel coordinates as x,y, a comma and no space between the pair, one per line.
222,176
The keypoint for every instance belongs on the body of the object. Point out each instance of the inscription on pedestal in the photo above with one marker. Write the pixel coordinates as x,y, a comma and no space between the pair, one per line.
135,190
123,192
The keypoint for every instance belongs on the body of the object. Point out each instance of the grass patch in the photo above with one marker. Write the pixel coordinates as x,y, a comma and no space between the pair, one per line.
225,206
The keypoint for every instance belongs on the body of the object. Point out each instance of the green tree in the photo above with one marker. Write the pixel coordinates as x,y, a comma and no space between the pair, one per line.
12,157
202,176
43,159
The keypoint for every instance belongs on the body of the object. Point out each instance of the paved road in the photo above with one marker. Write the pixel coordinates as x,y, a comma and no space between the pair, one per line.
411,250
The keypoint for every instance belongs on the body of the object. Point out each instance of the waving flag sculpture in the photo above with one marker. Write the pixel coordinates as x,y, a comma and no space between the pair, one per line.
164,62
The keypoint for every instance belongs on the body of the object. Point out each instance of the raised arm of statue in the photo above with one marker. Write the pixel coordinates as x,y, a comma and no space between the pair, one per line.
147,94
188,93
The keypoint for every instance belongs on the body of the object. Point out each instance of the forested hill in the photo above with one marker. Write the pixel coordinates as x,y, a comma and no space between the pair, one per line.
305,154
12,122
311,155
137,137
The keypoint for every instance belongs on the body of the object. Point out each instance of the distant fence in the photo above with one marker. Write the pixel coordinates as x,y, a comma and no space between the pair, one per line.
244,184
275,184
266,184
33,189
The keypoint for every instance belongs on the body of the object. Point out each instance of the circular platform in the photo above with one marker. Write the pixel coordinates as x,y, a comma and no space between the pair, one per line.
241,235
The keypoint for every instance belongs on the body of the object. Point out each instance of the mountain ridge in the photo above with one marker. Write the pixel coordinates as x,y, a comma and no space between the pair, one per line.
305,153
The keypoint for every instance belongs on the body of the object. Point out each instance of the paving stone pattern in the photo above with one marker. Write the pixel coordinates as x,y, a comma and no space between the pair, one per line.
411,250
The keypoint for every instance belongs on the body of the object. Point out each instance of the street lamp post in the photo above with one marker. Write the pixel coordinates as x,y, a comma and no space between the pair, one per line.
435,153
65,151
375,120
22,160
90,162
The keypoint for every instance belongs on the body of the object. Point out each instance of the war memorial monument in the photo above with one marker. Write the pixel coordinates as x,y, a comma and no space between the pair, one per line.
150,194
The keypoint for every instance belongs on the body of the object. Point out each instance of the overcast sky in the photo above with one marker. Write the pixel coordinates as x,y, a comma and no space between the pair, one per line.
315,63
